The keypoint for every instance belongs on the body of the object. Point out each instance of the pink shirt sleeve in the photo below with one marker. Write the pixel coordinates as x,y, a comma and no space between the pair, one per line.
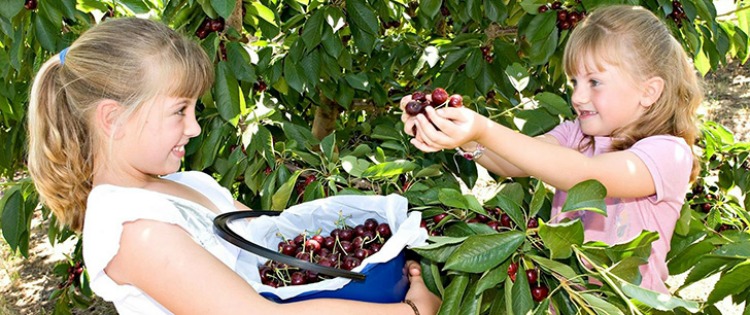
670,161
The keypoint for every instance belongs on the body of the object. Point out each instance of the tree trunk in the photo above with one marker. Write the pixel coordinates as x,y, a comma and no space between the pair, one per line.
325,118
235,19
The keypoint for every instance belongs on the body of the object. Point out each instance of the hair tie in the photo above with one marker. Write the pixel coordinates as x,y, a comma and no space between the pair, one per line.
62,55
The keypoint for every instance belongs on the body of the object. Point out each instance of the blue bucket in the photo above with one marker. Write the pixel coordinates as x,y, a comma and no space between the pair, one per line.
384,283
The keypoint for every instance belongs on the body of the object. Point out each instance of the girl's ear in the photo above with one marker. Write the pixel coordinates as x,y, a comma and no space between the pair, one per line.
653,88
107,117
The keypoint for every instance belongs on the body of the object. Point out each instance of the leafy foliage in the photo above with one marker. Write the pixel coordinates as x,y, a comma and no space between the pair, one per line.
341,66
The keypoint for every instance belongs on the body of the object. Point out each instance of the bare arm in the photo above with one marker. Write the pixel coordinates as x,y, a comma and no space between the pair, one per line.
621,172
166,263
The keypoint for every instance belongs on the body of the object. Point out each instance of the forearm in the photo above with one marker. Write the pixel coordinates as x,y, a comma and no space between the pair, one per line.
516,154
496,164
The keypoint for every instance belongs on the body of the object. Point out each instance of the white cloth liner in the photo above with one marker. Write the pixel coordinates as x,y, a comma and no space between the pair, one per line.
323,214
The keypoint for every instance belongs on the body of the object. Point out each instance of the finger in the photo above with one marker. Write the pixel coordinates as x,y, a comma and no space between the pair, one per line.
409,125
404,100
414,268
423,146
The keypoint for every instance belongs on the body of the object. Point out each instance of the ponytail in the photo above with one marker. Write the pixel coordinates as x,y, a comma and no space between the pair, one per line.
60,150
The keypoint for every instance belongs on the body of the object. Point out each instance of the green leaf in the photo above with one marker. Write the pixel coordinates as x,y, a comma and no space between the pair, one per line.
493,277
453,198
628,269
453,294
481,252
227,92
363,16
354,165
537,200
600,306
294,74
430,8
313,30
328,146
141,6
239,62
439,254
46,33
550,265
732,282
522,302
358,81
561,237
554,103
13,217
9,8
281,197
656,300
299,134
389,169
543,37
587,195
640,246
518,76
223,7
533,122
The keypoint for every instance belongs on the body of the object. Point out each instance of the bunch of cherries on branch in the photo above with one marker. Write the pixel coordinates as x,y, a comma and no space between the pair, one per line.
438,98
345,248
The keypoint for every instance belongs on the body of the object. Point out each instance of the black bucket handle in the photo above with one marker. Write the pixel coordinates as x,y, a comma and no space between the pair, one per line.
222,229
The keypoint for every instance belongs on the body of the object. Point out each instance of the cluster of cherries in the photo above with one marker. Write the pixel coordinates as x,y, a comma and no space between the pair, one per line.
539,291
495,218
439,97
344,248
74,276
678,13
209,26
565,19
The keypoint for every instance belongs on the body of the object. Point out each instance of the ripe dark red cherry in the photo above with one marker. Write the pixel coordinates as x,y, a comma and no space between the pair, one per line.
505,220
384,230
418,96
439,218
456,101
532,275
371,224
413,108
539,293
30,4
512,270
543,8
532,224
439,96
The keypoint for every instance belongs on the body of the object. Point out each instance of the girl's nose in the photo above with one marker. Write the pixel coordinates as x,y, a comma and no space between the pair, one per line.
192,128
580,96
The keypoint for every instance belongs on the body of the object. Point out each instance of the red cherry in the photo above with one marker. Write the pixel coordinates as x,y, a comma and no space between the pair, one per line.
494,225
532,275
418,96
216,25
439,96
384,230
30,4
556,5
371,224
505,220
543,8
532,223
413,108
512,270
456,101
539,293
439,218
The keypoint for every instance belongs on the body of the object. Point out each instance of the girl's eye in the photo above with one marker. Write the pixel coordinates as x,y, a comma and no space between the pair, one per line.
573,82
595,83
181,112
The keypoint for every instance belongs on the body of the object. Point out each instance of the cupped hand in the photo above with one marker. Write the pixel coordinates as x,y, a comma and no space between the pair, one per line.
423,298
447,128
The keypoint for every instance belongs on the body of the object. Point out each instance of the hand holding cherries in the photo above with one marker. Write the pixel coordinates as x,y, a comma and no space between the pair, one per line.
438,98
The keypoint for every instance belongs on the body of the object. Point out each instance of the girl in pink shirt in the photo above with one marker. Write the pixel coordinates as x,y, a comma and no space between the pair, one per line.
635,93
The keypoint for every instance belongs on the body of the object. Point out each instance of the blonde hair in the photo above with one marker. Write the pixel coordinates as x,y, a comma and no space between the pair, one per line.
126,60
639,43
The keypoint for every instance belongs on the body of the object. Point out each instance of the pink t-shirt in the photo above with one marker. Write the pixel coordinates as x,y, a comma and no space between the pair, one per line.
670,161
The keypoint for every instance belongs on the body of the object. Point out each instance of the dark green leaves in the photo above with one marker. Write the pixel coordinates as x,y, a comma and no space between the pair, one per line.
482,252
587,195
